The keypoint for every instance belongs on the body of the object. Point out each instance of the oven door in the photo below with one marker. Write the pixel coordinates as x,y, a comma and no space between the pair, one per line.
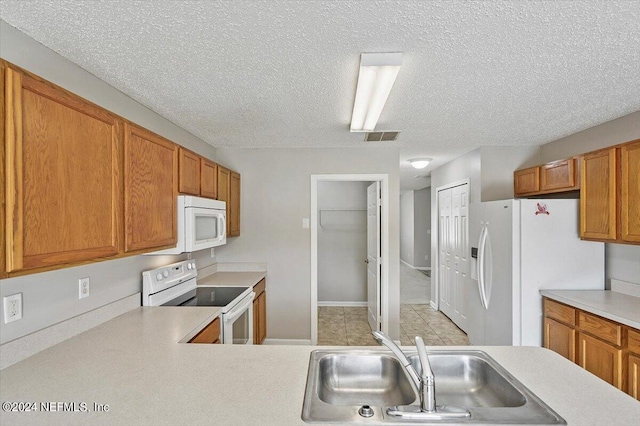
237,328
204,228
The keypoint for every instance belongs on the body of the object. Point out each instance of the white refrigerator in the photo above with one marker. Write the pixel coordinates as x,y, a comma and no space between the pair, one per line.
520,247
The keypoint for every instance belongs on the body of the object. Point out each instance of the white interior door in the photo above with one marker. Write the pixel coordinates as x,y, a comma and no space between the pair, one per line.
444,251
461,253
373,255
453,253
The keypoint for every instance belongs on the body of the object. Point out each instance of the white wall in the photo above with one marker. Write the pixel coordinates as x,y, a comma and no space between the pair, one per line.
622,261
464,167
52,297
276,190
406,227
342,241
497,166
490,172
422,228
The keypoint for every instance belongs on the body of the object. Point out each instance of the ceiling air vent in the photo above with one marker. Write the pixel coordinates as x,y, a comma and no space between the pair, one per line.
381,136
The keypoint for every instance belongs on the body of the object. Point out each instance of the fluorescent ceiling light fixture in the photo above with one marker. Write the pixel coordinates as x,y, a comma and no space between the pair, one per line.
420,163
378,72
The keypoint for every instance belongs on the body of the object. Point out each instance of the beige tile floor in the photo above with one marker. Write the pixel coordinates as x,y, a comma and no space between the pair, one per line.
338,326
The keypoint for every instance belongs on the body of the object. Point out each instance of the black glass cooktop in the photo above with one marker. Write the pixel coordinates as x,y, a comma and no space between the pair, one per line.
207,296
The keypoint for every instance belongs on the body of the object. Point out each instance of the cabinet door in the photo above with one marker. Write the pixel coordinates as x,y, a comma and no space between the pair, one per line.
208,178
223,185
260,318
262,302
558,175
598,195
150,190
560,339
601,359
634,376
189,172
210,334
63,177
233,210
630,194
526,181
256,321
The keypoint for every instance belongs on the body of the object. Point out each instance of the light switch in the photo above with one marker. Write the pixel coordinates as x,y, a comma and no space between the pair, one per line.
305,223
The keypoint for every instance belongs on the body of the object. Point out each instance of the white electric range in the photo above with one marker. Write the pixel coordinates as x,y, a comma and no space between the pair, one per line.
176,285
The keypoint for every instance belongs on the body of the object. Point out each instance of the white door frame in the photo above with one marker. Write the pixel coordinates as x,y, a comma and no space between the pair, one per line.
435,276
384,253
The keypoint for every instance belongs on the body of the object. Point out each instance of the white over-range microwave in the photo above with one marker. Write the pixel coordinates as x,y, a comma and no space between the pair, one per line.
202,224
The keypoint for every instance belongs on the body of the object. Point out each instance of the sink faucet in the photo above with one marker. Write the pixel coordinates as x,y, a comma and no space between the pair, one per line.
424,385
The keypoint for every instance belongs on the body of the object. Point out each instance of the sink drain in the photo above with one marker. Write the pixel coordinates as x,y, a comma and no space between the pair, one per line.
365,411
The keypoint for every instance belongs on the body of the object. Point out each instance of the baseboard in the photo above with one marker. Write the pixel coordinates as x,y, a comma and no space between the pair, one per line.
422,268
296,342
433,305
343,304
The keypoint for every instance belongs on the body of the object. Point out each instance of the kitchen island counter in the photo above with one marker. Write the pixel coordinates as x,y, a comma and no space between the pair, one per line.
135,371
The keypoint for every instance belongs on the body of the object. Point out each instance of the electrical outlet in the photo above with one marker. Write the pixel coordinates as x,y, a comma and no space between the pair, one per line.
84,289
213,252
12,308
426,257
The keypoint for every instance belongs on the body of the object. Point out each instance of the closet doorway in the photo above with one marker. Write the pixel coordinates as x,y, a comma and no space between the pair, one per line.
349,252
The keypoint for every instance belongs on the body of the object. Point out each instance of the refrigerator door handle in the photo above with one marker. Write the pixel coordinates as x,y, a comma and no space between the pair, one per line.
481,253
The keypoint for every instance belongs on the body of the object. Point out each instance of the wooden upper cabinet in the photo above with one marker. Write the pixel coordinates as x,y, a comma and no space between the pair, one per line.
526,181
558,175
208,178
229,192
549,178
223,185
150,190
189,172
598,195
63,175
233,206
630,192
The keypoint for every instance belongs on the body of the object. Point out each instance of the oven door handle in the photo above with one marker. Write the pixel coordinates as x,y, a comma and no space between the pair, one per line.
240,308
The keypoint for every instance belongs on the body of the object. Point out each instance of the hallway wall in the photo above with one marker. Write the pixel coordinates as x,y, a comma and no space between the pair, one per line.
342,242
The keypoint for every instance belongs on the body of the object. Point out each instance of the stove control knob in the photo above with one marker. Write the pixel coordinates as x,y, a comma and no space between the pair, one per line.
159,276
188,266
166,274
193,265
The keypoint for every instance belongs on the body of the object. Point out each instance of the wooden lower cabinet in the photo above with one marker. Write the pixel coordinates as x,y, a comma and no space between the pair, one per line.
560,339
605,348
602,359
260,313
210,334
634,376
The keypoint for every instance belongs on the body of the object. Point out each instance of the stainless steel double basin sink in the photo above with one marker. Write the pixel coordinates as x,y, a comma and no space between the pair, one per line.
341,382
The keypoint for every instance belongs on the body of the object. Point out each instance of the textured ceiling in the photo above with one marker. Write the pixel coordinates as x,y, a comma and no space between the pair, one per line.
283,73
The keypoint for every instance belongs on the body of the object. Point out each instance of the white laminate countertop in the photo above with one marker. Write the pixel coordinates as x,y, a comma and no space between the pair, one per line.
612,305
232,279
134,364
